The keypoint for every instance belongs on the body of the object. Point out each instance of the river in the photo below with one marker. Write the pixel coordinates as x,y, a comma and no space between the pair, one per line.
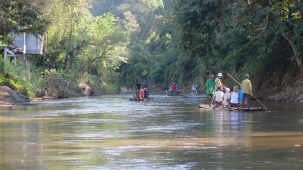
111,132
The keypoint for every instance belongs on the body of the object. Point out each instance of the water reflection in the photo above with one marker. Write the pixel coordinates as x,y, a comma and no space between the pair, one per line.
111,132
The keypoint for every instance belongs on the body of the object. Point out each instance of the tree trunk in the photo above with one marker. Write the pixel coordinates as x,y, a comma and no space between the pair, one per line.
297,56
299,64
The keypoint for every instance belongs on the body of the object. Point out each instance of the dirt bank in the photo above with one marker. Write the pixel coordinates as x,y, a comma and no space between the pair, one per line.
286,88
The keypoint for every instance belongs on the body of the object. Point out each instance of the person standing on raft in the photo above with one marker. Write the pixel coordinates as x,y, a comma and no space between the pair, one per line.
146,93
174,87
137,89
141,94
246,90
218,82
210,89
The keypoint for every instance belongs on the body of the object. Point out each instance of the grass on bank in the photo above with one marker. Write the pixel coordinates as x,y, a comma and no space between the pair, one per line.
17,78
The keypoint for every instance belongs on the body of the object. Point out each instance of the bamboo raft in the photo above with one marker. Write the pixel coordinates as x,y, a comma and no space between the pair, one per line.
250,109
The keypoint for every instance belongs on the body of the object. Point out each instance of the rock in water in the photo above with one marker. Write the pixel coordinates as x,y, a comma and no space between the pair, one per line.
17,97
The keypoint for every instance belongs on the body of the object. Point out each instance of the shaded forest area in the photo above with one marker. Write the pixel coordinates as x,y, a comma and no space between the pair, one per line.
105,44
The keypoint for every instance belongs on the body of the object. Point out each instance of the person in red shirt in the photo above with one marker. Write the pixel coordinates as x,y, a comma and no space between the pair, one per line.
174,87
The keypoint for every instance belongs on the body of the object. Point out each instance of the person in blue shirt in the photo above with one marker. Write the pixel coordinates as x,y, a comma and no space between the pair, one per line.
240,94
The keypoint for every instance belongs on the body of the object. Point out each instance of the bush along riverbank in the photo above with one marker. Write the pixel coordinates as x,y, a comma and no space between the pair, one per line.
21,90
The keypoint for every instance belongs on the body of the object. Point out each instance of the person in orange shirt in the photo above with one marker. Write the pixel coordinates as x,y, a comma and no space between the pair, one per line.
142,94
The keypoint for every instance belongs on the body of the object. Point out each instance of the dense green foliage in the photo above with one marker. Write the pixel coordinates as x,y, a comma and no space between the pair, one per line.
84,48
80,47
250,36
150,26
6,81
262,38
107,44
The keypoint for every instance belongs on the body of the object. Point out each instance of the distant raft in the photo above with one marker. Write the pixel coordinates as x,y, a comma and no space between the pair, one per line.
250,109
135,99
174,93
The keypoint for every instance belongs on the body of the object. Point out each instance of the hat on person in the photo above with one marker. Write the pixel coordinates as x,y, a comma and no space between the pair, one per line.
220,75
227,90
247,75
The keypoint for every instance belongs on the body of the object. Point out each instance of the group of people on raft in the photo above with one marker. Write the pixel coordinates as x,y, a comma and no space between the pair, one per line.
173,90
141,91
220,95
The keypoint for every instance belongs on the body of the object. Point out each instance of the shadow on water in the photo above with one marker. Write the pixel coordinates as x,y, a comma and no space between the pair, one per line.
111,132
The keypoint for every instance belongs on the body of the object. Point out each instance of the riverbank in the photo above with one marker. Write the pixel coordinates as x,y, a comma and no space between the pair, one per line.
283,92
288,88
290,94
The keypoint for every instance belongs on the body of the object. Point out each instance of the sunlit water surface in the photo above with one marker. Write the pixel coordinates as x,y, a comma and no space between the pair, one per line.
111,132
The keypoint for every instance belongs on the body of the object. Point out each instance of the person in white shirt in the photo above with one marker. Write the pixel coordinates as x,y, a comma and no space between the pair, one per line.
218,97
234,99
226,98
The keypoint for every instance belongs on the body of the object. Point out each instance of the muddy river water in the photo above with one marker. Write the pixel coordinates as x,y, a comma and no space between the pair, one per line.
111,132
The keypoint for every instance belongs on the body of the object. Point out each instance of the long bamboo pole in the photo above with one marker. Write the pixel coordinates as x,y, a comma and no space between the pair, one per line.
251,95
